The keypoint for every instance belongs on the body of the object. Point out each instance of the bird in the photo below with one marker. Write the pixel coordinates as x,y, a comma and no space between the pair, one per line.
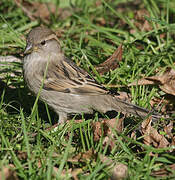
64,86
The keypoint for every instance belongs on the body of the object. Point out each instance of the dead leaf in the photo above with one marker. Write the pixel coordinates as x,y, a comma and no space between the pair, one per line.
22,155
43,10
64,173
151,135
75,173
168,130
118,170
166,82
112,62
101,21
104,128
116,124
140,20
164,171
143,81
8,172
97,131
35,10
68,173
83,156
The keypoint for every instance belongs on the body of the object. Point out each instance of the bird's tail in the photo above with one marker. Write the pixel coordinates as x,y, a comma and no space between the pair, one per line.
125,107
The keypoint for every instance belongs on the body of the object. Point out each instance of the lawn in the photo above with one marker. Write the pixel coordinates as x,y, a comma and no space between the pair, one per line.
127,46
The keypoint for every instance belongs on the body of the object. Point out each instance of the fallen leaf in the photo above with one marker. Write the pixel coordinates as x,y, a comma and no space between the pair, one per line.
64,173
112,62
164,171
166,82
118,170
101,21
104,128
22,155
83,156
140,20
68,173
115,124
8,172
151,135
97,131
143,81
35,10
43,10
168,130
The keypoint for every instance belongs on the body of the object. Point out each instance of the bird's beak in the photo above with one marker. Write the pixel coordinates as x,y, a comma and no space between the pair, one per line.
28,48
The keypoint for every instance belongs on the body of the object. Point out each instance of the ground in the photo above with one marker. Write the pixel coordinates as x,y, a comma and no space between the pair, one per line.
128,46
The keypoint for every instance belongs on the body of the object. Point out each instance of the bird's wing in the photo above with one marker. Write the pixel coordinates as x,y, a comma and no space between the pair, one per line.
67,77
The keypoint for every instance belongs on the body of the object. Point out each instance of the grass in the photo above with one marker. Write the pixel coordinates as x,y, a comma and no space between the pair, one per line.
88,42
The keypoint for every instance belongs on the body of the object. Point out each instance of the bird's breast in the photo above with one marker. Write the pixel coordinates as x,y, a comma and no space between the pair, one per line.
32,68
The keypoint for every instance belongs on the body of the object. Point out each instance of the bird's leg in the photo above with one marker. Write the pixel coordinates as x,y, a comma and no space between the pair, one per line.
62,117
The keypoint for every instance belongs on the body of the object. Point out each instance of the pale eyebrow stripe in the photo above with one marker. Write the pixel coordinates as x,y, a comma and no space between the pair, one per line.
52,36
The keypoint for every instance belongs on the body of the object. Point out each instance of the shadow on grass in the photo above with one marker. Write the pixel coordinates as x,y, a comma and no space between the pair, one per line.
16,98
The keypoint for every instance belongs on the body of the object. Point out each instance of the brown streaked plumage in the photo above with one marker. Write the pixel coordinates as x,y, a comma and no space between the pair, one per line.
67,88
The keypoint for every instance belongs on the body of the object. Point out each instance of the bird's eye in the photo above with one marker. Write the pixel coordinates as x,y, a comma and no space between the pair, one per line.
43,43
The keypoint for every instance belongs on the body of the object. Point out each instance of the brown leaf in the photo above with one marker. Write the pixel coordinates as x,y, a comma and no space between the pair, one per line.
114,124
104,127
151,135
141,22
110,141
112,62
22,155
164,171
8,173
101,21
75,173
83,156
143,81
70,172
97,131
35,10
43,10
166,81
168,130
118,170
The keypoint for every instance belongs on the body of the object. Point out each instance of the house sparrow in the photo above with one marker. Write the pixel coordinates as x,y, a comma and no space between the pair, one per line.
66,88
